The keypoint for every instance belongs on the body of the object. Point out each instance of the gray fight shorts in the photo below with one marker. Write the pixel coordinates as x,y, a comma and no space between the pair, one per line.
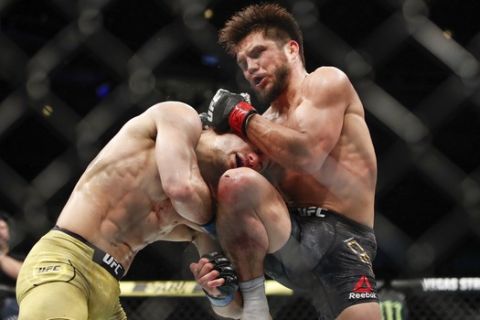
329,258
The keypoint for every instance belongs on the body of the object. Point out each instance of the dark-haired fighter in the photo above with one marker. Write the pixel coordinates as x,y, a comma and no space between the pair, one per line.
150,182
315,130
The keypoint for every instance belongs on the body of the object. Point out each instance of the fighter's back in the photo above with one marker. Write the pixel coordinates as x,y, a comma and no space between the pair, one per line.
119,204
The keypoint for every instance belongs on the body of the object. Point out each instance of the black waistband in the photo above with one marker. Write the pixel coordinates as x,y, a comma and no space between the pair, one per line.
319,212
100,257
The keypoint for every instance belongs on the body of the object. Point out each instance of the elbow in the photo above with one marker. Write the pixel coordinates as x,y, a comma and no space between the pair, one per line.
190,200
178,192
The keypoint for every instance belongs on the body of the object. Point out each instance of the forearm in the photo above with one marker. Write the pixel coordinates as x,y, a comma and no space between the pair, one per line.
178,130
193,203
10,266
205,243
288,147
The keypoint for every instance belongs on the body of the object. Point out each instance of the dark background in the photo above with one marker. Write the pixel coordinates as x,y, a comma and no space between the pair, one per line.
71,73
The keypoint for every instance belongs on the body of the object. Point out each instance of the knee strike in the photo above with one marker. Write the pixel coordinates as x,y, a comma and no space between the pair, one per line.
238,184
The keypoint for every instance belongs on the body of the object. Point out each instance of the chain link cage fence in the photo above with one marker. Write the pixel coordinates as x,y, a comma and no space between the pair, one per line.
72,72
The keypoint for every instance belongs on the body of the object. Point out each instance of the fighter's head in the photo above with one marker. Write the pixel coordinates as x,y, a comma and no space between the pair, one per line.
266,42
216,153
273,21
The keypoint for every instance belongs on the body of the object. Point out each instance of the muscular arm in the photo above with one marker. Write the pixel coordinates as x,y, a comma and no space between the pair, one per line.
178,130
316,123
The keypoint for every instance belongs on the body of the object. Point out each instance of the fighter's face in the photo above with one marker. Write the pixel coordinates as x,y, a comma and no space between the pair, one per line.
217,153
234,152
264,65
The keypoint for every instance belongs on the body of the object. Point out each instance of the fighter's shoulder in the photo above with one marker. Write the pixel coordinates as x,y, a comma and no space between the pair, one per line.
327,78
173,112
327,86
170,109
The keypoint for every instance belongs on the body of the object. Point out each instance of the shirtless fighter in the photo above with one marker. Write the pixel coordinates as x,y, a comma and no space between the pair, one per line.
145,185
320,240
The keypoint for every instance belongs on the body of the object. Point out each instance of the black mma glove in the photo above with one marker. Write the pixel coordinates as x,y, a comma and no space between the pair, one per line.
229,110
204,118
226,271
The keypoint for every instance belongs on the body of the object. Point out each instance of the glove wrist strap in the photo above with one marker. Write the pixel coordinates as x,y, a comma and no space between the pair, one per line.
239,117
245,123
219,301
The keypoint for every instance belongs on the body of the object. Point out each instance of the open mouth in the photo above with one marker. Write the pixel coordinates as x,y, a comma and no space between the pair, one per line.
258,80
239,161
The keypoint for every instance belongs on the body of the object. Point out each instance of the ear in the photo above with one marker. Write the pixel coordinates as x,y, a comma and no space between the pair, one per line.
292,48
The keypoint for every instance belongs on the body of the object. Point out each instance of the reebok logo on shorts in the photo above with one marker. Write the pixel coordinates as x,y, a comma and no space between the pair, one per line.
362,290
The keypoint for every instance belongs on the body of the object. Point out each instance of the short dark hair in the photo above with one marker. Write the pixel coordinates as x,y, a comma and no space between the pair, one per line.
5,216
273,20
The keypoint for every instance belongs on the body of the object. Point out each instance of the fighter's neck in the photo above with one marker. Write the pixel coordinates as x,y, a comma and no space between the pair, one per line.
292,93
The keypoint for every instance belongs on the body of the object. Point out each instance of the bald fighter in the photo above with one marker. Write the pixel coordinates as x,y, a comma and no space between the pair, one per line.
151,182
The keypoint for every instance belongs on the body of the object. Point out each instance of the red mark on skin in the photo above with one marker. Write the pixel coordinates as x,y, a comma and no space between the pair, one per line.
226,190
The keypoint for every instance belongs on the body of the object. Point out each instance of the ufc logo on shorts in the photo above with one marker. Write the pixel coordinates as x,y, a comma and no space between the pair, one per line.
53,268
358,250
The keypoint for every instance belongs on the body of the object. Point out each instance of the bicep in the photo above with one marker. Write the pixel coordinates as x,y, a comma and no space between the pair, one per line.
175,155
322,124
176,138
326,98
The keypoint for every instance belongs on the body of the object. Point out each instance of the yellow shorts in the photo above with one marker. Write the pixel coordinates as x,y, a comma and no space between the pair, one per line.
60,280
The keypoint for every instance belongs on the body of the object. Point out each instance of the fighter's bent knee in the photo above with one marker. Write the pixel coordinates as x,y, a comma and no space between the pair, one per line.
239,183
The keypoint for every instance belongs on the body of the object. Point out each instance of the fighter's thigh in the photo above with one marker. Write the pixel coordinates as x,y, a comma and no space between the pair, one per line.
362,311
243,190
54,300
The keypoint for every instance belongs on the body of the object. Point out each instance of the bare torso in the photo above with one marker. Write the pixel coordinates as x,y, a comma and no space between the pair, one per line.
346,181
119,205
